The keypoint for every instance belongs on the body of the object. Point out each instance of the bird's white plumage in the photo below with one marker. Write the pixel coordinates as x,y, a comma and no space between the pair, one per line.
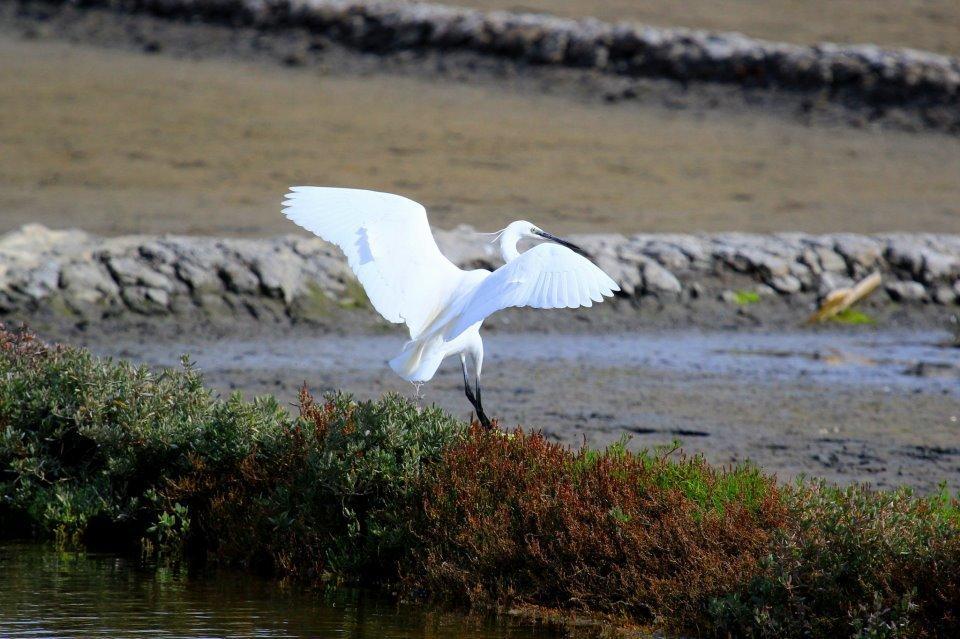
391,249
388,244
546,276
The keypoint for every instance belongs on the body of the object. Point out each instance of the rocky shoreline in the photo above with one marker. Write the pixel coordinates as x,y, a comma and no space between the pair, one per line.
864,77
296,278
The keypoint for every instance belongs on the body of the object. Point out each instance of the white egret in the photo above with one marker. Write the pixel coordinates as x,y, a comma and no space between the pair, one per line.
389,246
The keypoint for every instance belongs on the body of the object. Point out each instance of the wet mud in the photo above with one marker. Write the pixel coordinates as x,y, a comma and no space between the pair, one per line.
881,407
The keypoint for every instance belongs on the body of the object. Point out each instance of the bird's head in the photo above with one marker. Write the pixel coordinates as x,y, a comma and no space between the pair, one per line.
523,229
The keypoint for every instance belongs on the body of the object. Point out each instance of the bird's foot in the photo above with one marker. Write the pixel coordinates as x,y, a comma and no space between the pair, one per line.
474,400
483,419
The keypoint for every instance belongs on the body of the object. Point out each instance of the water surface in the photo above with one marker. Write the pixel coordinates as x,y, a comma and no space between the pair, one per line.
49,593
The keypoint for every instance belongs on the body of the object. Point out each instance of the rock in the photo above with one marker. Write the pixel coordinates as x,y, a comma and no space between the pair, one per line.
668,256
906,253
939,267
860,252
129,271
657,279
268,278
626,274
765,291
787,284
237,278
36,239
41,281
145,300
87,282
729,297
280,272
906,291
200,279
830,282
833,262
944,295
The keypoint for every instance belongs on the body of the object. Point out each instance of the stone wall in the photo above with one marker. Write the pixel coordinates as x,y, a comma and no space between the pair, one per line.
878,75
296,276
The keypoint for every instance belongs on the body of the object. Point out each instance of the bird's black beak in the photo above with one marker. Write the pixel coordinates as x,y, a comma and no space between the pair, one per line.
562,242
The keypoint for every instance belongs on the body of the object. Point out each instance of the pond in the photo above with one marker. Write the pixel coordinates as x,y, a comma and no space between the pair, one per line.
49,593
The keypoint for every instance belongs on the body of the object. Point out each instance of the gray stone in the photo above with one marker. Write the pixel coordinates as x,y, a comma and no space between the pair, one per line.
944,295
906,291
858,250
281,273
200,278
657,279
38,283
832,262
906,253
238,278
626,274
667,255
87,282
939,267
129,271
830,282
265,278
145,300
787,284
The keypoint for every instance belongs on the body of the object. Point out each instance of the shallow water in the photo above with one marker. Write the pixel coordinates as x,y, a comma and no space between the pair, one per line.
893,360
48,593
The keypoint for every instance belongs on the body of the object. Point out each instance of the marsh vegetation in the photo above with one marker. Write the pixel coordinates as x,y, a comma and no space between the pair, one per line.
390,494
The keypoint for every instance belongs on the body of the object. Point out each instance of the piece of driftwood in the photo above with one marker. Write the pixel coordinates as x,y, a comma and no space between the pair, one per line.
843,298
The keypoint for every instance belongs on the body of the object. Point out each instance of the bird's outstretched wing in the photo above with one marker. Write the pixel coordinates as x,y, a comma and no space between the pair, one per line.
546,276
388,244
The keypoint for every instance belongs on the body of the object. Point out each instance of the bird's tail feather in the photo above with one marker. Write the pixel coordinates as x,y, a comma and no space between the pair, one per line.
418,362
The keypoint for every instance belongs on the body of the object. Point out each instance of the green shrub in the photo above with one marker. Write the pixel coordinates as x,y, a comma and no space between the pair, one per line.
330,497
855,563
87,444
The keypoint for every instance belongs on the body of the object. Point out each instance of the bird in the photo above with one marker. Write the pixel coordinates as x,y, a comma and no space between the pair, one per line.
390,247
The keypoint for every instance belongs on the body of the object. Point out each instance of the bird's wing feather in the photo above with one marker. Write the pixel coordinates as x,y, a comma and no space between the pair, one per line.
546,276
388,244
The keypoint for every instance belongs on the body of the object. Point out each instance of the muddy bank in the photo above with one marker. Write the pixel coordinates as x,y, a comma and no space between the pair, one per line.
864,77
710,280
850,406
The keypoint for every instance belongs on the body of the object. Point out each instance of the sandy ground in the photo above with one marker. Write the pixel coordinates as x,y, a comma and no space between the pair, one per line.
117,141
851,406
921,24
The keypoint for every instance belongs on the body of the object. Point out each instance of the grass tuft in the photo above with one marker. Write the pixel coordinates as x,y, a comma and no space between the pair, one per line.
853,317
744,298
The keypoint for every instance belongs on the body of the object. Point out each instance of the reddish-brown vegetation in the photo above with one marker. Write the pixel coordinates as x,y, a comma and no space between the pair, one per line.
513,518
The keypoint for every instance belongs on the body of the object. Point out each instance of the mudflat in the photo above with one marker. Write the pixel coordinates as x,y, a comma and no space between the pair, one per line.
114,140
876,406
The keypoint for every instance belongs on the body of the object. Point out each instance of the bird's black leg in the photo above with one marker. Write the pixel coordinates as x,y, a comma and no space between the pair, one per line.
479,406
474,399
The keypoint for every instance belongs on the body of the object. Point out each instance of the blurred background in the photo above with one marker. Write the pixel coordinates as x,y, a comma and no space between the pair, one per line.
119,125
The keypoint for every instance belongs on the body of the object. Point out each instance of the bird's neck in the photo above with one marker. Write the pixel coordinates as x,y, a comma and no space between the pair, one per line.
508,245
